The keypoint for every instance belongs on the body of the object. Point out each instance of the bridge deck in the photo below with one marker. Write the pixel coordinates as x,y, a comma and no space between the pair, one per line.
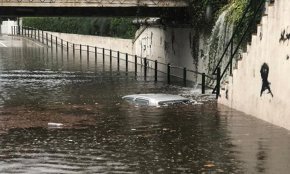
150,8
93,3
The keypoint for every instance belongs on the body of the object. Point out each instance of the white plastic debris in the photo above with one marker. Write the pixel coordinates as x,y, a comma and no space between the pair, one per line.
55,124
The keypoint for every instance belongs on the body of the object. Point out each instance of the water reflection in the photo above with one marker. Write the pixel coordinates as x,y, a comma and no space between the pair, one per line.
103,134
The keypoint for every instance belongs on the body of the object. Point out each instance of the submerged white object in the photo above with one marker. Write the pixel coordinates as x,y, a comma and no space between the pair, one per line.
155,99
55,124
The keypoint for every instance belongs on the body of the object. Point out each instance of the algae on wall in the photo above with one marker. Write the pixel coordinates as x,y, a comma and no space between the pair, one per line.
226,19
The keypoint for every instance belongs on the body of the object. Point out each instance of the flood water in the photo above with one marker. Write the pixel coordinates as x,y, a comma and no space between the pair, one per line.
103,134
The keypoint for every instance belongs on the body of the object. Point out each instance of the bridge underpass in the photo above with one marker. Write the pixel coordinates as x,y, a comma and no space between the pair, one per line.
142,8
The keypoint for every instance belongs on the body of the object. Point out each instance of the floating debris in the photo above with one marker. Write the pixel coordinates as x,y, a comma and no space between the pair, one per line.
55,124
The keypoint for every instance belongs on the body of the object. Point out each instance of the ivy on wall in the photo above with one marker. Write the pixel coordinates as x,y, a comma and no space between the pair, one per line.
114,27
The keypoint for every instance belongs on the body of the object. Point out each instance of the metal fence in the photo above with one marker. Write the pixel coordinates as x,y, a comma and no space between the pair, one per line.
138,64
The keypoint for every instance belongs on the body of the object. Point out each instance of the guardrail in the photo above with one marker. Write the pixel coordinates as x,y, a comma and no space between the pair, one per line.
54,42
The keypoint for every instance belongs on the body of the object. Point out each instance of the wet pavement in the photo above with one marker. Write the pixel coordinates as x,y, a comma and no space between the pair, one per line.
103,134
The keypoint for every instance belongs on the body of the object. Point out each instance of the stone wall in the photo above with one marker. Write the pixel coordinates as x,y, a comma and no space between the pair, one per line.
248,90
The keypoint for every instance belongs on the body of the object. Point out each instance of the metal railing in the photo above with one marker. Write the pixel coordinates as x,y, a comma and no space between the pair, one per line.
140,64
230,46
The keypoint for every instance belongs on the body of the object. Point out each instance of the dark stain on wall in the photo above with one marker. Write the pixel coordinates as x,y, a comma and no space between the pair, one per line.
287,57
264,75
285,36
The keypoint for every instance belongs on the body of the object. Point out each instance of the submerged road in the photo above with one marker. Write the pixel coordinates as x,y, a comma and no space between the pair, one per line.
103,134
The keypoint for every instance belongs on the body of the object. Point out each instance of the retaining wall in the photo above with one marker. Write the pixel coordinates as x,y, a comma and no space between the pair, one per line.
248,89
167,45
116,44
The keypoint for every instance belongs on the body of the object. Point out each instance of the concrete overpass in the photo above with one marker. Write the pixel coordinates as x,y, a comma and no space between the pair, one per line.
142,8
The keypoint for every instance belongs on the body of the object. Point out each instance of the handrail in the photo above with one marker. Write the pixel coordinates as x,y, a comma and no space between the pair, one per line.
233,36
239,43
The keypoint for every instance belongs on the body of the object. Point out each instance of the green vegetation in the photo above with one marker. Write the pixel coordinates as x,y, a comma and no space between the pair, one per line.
114,27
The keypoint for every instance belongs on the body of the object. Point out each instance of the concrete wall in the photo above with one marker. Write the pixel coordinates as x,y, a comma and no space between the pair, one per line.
166,45
6,27
122,45
271,46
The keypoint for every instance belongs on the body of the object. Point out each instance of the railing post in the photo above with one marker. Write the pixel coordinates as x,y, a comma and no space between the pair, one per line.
145,67
51,43
218,82
136,64
56,44
80,50
61,44
74,50
46,35
203,83
110,56
42,36
96,54
168,73
155,70
103,55
118,60
88,53
184,76
126,62
67,49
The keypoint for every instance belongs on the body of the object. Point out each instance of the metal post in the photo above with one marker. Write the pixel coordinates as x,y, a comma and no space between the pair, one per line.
103,55
35,33
136,65
110,56
155,70
56,44
73,50
203,83
96,54
46,38
118,60
80,50
218,82
126,62
184,76
67,49
145,68
61,44
168,73
88,53
42,36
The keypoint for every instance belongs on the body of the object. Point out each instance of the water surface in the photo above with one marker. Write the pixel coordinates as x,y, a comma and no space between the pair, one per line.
103,134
